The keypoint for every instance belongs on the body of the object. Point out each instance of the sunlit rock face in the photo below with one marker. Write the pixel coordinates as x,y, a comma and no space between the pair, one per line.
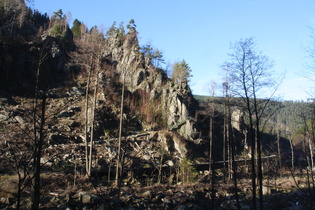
175,101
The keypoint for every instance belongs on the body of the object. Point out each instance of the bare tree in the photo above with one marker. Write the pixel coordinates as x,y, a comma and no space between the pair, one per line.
278,148
212,109
38,127
86,127
38,153
89,56
250,73
212,88
292,154
119,156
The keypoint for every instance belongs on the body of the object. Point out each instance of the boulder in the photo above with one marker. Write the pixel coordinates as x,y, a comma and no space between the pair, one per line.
19,119
46,162
77,91
169,163
66,114
146,157
147,194
64,128
5,200
3,117
57,138
89,199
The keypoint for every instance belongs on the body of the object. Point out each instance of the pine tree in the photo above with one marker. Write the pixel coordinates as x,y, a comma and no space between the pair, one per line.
132,25
181,72
76,29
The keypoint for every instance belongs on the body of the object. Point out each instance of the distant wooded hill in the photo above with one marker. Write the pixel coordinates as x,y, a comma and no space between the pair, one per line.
289,116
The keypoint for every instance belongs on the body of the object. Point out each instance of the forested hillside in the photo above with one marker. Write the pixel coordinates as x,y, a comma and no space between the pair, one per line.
90,120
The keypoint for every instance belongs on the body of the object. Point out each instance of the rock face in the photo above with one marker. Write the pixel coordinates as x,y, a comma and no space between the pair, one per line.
237,120
174,101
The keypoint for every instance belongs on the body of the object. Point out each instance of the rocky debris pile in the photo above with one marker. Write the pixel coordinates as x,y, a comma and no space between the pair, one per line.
193,196
64,128
150,150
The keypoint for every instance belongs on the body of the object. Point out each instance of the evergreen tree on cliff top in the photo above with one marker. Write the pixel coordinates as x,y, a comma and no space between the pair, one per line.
181,72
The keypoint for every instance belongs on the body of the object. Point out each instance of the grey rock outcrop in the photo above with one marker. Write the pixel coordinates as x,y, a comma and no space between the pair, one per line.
3,117
175,101
237,120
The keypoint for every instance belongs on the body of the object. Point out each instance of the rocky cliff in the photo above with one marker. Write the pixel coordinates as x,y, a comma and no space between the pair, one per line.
174,101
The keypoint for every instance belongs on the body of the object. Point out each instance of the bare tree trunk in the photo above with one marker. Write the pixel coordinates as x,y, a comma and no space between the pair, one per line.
231,144
38,141
312,161
75,170
109,171
253,173
309,183
210,142
229,156
19,193
38,152
279,150
118,163
224,147
234,165
86,130
160,167
260,172
311,153
211,171
258,141
93,119
292,154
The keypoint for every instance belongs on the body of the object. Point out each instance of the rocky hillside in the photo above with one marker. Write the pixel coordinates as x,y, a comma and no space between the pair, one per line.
82,80
152,99
64,91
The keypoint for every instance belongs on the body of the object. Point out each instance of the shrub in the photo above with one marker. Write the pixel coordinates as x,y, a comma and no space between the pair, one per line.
56,30
187,172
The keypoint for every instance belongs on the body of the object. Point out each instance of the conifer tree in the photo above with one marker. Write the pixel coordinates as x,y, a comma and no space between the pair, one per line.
181,72
132,25
76,29
158,58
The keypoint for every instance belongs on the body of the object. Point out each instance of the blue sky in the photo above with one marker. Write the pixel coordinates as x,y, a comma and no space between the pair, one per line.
201,31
